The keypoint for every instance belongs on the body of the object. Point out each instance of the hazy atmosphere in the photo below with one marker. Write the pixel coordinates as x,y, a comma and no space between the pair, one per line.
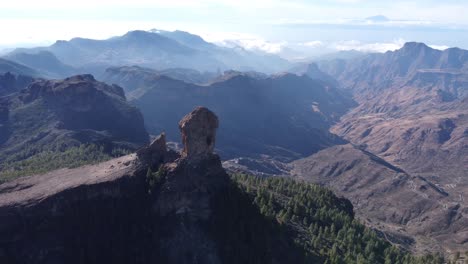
294,29
234,132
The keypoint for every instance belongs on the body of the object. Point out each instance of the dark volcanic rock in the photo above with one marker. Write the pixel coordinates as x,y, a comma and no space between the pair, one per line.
156,153
284,116
121,212
185,206
76,216
198,132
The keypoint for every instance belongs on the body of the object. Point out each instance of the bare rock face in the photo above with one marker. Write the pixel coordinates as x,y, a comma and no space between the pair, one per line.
154,152
171,210
198,130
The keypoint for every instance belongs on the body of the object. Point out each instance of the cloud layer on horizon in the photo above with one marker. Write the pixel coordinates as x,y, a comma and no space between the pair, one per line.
272,26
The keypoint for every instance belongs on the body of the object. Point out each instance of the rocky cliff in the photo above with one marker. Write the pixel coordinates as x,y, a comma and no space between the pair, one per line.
55,116
154,206
412,113
413,211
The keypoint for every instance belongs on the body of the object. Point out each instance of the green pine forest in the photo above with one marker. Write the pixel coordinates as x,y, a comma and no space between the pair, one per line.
321,224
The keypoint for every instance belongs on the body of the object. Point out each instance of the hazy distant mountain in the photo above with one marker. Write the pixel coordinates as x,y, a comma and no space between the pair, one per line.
135,77
16,68
312,70
378,18
185,38
379,71
159,50
342,54
11,83
44,62
285,116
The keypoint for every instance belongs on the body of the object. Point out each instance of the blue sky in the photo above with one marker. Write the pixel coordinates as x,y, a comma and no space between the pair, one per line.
305,27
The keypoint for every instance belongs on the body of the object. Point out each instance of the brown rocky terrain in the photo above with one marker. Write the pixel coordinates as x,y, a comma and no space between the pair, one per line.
411,210
413,114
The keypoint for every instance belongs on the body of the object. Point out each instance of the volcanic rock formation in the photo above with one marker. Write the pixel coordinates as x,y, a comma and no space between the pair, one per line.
124,211
198,132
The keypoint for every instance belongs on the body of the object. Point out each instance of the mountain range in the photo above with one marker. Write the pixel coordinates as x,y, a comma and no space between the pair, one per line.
45,124
387,131
155,49
188,211
411,113
298,109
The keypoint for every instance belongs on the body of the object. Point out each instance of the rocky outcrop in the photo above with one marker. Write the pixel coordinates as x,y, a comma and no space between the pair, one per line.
76,215
198,132
57,115
190,185
156,153
283,116
123,211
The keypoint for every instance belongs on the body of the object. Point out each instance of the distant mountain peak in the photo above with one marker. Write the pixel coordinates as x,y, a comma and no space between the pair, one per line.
415,46
378,18
184,37
139,34
158,49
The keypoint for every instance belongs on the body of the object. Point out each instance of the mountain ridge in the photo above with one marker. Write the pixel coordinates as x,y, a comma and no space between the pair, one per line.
412,113
50,118
155,50
188,211
309,107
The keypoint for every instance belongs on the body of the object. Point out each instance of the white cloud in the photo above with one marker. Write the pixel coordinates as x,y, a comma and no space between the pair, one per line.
246,41
359,22
439,47
367,47
312,44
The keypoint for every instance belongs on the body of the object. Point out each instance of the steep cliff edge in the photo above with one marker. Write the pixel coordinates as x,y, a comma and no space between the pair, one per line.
155,206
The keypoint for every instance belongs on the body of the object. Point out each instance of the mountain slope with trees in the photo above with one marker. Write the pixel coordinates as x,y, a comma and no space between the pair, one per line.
65,122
